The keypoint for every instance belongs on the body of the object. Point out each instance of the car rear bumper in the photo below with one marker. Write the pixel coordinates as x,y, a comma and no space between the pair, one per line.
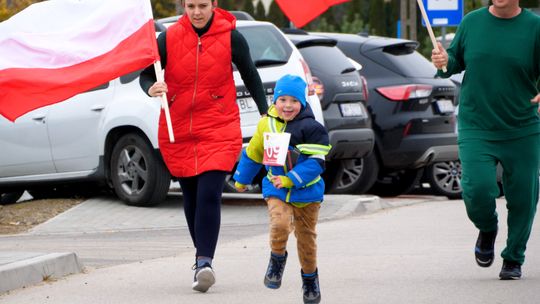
421,150
350,143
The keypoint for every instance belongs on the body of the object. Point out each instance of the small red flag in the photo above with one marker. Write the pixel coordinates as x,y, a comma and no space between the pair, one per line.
303,12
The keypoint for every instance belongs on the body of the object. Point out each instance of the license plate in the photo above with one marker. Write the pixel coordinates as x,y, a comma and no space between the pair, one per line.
445,106
352,109
246,105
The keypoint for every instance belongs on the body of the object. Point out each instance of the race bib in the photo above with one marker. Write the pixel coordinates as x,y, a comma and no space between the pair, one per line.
275,148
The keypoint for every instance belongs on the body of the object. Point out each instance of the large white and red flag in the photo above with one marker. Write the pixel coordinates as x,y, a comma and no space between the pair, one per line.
304,11
56,49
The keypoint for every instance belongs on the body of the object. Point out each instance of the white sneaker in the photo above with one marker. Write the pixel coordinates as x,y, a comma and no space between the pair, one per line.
204,278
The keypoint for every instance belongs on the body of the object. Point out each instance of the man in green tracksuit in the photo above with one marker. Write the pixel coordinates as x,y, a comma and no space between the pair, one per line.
499,47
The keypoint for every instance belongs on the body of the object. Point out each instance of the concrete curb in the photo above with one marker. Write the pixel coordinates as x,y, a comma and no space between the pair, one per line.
36,268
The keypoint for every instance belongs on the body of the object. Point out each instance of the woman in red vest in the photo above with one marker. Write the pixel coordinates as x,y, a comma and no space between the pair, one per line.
197,54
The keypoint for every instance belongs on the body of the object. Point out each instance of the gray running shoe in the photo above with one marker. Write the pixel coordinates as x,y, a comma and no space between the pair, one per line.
204,278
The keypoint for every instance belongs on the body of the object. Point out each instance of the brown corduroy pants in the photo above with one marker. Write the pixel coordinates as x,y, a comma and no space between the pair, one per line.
284,218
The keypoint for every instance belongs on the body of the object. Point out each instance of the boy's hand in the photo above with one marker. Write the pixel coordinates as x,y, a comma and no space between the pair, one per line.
282,181
536,100
239,187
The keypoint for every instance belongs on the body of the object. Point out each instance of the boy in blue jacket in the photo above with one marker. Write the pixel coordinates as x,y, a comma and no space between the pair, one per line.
294,191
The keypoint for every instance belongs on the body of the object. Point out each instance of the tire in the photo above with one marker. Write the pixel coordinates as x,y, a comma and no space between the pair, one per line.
352,176
138,174
396,183
444,178
10,197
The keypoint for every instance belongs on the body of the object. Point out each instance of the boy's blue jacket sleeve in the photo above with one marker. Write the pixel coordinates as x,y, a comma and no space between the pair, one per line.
252,157
246,169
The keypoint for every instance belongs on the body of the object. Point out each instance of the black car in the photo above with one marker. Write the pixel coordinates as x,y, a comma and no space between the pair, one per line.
411,109
343,95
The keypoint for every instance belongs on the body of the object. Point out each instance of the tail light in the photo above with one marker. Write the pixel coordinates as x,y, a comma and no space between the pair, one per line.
309,77
318,86
365,91
405,92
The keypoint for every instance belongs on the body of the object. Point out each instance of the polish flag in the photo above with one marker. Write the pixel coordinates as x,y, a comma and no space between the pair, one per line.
56,49
303,12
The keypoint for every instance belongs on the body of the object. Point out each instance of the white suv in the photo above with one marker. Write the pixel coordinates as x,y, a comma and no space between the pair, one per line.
109,134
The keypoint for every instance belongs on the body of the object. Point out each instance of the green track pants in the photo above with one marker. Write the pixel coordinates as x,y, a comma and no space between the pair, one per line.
520,159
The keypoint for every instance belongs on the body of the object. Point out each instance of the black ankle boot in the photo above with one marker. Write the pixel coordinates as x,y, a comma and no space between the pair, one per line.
311,288
274,272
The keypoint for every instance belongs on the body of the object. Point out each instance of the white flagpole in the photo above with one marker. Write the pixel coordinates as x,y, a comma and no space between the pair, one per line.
160,78
163,98
428,25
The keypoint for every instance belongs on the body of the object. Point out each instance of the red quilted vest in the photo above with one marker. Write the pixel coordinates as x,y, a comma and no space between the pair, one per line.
202,99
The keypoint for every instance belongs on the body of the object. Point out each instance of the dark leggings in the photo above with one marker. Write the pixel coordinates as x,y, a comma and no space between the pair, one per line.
202,206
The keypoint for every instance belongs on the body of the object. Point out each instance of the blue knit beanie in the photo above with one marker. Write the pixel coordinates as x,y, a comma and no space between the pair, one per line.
291,85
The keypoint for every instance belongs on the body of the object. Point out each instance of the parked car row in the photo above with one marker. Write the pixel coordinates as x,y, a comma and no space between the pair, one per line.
387,121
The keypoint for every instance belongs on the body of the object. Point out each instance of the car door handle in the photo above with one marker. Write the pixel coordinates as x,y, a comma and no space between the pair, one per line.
98,108
38,117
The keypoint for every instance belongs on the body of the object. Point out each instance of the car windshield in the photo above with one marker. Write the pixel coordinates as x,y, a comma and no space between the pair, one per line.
266,45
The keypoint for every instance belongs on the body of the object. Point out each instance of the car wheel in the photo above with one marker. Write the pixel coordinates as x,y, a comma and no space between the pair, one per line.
352,176
138,175
444,178
10,197
396,183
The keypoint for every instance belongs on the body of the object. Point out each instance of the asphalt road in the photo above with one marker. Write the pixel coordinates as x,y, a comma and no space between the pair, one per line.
419,253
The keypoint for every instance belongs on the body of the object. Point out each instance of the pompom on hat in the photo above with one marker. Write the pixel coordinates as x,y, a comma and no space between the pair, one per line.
291,85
